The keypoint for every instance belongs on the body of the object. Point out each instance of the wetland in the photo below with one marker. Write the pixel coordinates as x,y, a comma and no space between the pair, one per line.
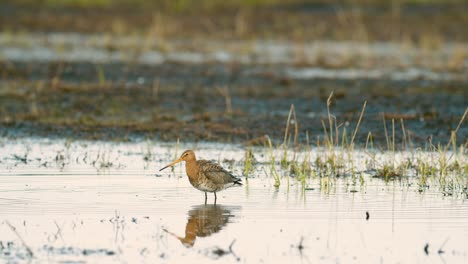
351,144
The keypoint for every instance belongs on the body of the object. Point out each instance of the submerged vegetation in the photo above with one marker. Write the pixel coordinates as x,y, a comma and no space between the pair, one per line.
320,163
444,165
335,156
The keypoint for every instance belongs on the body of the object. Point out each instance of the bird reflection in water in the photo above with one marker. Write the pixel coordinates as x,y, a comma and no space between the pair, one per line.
205,220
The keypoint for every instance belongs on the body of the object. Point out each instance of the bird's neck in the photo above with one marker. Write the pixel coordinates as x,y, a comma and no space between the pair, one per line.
191,167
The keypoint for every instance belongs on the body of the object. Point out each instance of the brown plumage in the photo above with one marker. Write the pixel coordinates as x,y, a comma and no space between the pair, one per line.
204,175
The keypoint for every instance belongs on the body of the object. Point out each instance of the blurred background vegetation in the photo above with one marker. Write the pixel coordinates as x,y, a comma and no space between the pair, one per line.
187,5
409,21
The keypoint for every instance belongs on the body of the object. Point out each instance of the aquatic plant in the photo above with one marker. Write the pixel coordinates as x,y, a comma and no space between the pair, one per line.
249,160
272,163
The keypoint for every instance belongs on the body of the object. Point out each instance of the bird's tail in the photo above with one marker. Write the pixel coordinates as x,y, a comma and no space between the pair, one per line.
238,181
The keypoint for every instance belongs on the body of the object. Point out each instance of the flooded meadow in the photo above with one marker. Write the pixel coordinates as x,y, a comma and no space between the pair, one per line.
346,122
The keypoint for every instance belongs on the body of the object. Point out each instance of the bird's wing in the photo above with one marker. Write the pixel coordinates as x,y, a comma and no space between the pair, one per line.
216,173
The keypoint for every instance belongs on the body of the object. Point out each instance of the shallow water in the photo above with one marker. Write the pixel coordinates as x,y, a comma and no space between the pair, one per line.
80,212
326,59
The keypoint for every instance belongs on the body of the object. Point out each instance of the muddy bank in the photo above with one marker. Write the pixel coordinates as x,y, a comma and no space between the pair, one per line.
188,101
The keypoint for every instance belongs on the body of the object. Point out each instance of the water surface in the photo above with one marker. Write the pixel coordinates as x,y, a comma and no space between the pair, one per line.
77,213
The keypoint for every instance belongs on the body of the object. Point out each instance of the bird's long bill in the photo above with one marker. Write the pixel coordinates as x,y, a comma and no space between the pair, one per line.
172,164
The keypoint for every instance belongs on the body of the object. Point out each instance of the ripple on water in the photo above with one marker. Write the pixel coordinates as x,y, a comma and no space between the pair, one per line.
141,217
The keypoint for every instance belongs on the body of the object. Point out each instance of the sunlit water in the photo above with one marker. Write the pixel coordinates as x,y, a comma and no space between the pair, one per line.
67,209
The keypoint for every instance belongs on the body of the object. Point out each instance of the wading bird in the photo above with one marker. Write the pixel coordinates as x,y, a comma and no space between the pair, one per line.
204,175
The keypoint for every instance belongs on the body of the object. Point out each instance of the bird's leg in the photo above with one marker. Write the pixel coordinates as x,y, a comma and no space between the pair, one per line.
206,197
215,197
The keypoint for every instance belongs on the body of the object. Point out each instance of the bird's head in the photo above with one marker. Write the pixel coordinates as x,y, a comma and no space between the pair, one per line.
187,155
